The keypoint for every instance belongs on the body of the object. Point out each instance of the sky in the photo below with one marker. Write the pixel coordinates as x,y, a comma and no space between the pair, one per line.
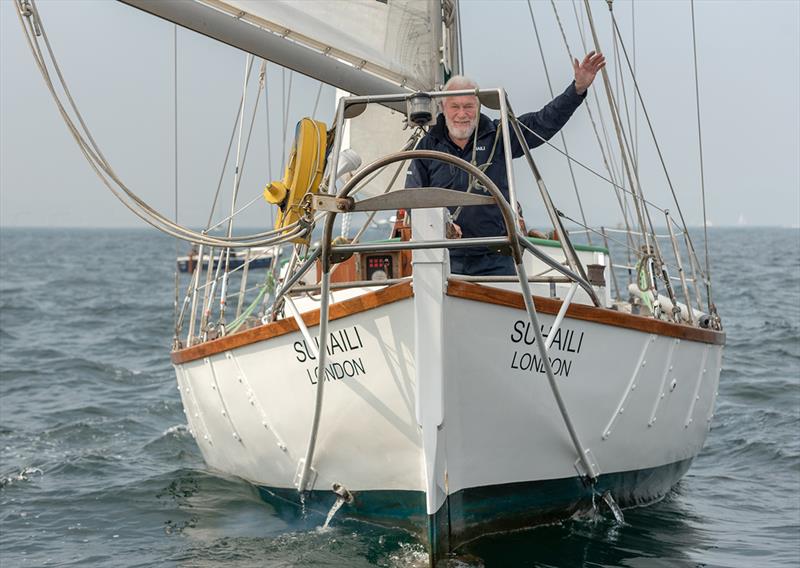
119,65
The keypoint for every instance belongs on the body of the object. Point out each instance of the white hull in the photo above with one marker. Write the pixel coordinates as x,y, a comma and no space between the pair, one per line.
503,425
640,401
250,409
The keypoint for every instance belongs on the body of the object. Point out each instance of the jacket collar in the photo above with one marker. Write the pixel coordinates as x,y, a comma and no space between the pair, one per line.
439,130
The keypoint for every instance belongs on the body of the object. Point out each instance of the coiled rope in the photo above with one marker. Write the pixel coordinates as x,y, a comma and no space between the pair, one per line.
33,29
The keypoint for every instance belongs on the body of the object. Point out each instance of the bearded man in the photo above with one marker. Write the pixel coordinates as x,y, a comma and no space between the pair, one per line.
461,130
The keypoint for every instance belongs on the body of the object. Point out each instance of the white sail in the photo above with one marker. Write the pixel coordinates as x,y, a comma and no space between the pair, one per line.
361,46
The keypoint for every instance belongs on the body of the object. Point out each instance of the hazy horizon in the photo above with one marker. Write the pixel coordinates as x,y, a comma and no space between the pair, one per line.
750,104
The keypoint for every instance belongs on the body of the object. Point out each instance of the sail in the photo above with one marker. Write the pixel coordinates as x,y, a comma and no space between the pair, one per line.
361,46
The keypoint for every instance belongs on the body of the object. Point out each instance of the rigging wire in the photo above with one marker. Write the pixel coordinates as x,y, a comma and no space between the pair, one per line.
615,113
622,139
589,169
224,220
284,117
287,101
634,155
460,42
175,164
237,172
601,115
616,241
650,126
269,159
561,132
604,152
658,148
316,101
623,89
225,162
266,108
240,167
635,133
702,173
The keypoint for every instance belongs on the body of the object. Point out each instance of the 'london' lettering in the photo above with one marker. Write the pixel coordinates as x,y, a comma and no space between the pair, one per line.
338,371
534,363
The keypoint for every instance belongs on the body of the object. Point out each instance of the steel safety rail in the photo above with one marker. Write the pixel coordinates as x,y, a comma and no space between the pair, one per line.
516,242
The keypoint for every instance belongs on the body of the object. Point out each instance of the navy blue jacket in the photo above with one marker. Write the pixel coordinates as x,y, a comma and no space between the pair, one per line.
486,220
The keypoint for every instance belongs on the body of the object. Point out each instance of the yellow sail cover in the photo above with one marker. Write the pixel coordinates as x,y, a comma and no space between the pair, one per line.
302,176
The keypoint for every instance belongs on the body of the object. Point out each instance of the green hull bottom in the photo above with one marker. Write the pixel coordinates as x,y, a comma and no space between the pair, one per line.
475,511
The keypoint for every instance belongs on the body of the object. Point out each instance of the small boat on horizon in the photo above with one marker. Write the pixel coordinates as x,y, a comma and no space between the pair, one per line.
256,257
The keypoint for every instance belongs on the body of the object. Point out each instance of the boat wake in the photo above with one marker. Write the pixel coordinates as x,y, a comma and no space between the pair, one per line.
24,475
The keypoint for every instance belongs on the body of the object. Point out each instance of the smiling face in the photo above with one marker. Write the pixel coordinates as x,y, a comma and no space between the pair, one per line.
461,117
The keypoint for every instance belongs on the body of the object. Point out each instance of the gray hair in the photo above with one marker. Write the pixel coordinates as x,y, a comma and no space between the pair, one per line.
457,83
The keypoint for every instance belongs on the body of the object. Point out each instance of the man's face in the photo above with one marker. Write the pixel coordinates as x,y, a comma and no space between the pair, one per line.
461,116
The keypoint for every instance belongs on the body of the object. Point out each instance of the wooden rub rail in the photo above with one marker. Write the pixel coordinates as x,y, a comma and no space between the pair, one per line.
455,289
367,301
489,295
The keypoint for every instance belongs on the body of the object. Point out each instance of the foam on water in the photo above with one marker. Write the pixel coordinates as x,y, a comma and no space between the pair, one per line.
23,475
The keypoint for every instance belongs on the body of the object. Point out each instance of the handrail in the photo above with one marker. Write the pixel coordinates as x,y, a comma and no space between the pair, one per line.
562,269
551,335
296,275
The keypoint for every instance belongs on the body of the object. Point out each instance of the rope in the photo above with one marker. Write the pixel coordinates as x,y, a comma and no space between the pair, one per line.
473,182
99,164
561,133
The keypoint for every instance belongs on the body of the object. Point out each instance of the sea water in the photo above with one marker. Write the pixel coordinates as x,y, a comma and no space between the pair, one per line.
97,467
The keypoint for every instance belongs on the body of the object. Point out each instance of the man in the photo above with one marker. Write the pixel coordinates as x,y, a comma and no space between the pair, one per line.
461,130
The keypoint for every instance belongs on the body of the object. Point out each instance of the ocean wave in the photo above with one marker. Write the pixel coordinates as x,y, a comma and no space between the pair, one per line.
177,431
762,449
175,441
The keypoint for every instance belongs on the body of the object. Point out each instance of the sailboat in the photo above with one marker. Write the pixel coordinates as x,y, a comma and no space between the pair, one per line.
373,379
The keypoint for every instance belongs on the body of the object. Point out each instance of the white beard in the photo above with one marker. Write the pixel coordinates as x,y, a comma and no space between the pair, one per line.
462,132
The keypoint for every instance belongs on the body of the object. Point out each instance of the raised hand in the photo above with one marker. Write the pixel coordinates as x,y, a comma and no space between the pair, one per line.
586,70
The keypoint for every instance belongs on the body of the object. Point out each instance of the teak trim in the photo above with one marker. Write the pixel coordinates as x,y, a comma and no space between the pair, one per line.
338,310
497,296
455,289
